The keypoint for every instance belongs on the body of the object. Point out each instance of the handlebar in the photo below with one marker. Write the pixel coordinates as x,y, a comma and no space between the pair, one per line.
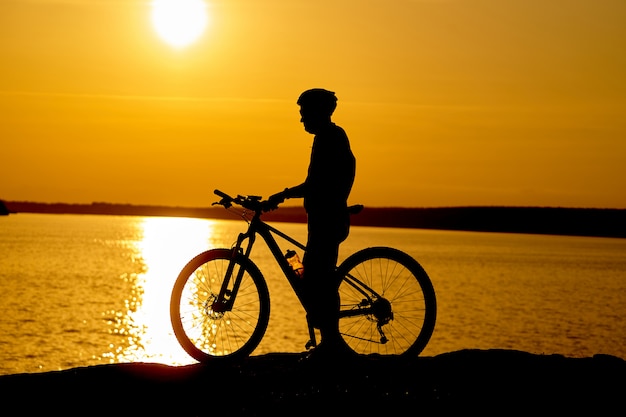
222,194
250,202
258,205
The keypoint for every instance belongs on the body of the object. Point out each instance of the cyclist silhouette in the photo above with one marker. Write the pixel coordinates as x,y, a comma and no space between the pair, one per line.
325,191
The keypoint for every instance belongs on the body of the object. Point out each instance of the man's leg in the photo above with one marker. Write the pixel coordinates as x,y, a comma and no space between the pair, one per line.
321,286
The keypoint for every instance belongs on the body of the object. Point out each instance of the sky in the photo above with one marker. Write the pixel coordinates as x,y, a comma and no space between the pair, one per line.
445,102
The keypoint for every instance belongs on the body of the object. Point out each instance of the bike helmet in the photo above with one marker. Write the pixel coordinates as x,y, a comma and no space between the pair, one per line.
320,99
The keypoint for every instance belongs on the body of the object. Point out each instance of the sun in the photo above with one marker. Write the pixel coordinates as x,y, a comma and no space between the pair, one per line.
179,22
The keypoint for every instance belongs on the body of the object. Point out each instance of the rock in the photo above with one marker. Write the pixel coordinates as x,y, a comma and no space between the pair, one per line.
482,381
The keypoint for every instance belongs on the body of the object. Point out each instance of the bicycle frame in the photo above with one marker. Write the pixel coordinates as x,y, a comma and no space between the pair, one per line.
267,232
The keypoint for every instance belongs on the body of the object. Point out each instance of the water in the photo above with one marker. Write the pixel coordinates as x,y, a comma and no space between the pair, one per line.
81,290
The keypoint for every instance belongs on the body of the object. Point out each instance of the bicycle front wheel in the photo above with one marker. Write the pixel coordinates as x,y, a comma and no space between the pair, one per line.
388,304
207,332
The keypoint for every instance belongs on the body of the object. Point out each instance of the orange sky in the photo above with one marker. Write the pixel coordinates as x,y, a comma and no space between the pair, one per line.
446,102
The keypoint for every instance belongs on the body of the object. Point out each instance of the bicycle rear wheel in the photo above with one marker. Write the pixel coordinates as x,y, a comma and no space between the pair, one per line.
388,304
208,332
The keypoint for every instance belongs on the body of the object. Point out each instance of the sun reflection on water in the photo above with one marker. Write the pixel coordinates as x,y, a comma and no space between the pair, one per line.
166,246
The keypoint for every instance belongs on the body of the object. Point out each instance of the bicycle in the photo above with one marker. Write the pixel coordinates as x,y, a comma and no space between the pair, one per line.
220,303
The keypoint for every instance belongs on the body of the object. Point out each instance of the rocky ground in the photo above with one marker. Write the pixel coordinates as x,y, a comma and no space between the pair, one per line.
493,382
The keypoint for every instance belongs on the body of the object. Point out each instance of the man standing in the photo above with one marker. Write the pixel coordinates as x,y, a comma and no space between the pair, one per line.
325,191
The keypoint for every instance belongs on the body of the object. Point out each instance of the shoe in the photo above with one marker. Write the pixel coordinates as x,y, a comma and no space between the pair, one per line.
327,351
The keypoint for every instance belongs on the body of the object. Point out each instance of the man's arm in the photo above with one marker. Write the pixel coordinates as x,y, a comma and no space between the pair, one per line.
295,192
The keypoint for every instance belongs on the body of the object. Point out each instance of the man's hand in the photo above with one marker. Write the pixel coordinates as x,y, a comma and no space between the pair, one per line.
275,199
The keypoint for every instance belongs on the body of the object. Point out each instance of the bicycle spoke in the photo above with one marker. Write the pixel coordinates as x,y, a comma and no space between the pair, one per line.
388,305
209,327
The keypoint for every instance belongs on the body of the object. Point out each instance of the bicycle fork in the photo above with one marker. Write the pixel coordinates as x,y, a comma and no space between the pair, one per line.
226,297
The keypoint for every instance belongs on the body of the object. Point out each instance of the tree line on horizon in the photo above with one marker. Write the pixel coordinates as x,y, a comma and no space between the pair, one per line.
535,220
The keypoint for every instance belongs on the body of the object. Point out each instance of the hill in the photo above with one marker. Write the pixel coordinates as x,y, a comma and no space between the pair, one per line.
537,220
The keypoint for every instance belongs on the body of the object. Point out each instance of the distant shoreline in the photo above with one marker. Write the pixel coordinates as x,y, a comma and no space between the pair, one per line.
534,220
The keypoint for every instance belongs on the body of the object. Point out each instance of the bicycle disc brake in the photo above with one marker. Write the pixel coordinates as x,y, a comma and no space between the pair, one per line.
215,308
